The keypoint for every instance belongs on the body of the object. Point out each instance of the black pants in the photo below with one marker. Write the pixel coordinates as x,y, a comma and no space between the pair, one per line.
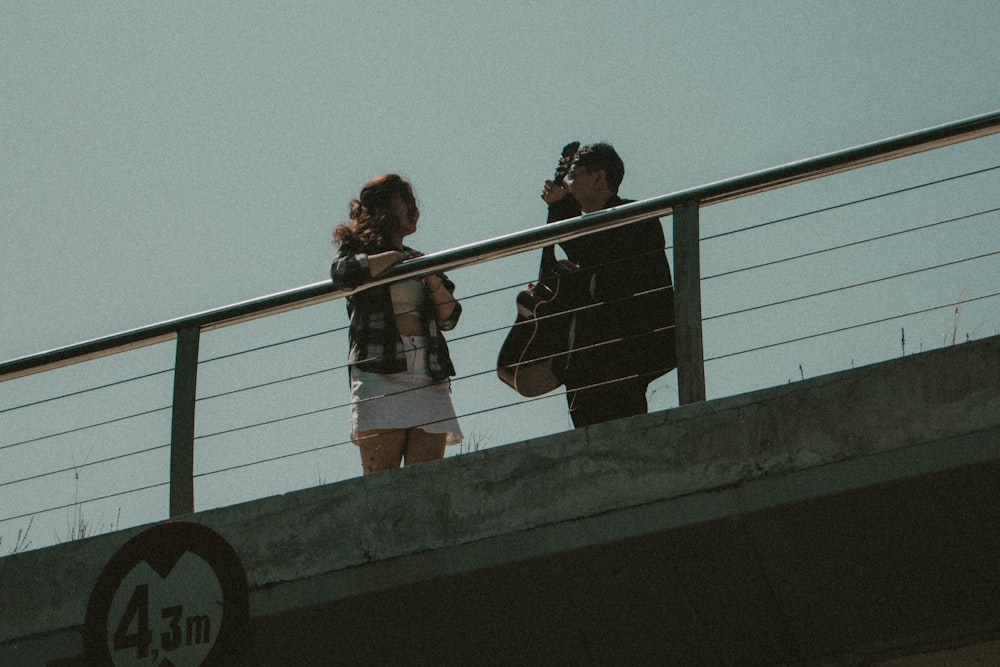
606,402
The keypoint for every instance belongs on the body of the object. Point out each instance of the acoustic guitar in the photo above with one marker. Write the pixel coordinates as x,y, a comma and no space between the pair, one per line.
534,356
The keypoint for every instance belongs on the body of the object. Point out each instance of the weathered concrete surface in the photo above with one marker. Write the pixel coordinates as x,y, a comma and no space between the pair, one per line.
841,520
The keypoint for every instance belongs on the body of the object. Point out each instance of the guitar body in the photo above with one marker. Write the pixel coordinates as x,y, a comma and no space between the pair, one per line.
534,355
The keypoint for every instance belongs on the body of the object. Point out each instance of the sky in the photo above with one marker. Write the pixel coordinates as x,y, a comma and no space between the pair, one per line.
160,159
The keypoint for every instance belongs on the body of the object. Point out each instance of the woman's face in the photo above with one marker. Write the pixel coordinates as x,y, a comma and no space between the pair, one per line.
405,211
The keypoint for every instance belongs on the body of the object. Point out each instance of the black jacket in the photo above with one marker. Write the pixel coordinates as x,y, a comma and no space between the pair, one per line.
631,325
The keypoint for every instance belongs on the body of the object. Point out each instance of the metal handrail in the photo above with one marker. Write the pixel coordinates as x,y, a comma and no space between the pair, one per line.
683,206
518,242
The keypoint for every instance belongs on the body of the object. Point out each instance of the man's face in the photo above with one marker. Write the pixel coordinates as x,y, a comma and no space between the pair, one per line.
587,185
580,181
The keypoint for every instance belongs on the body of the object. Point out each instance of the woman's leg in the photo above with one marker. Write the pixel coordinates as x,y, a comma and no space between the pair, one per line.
381,450
423,446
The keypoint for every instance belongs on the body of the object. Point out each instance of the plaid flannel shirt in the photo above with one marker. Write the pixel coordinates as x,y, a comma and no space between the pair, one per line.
375,345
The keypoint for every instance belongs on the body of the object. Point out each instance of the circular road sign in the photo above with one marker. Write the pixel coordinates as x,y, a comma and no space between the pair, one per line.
175,595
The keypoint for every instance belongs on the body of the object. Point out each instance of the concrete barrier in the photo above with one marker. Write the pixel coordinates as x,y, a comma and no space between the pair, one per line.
840,520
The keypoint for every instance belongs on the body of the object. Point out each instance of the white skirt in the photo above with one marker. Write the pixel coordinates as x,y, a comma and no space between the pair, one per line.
410,399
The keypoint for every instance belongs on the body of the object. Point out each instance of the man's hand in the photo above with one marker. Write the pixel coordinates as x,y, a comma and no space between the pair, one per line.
553,192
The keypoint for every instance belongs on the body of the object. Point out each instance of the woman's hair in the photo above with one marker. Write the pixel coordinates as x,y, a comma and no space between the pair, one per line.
373,219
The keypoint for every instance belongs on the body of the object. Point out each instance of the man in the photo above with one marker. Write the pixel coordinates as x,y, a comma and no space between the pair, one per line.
626,338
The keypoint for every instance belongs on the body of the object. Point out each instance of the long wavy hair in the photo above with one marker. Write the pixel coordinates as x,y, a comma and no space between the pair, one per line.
373,220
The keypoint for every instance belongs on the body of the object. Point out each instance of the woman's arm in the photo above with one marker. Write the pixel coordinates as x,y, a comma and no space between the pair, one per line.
350,270
383,261
441,292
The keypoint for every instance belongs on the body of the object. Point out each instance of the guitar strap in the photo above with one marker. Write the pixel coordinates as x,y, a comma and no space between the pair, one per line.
549,268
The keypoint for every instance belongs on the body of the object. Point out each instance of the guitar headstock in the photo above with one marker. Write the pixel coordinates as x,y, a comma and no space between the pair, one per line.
565,160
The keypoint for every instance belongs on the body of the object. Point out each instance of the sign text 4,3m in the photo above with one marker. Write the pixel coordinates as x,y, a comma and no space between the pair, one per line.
135,632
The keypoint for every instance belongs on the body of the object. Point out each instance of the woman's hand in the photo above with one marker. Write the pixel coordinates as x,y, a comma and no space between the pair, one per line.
441,298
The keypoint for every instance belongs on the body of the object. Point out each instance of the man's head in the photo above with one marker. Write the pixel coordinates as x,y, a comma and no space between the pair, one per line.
602,156
594,175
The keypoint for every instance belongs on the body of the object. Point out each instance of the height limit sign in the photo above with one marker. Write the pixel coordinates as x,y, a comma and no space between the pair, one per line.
175,595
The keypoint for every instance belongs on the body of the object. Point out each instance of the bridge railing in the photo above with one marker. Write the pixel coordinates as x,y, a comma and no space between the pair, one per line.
251,399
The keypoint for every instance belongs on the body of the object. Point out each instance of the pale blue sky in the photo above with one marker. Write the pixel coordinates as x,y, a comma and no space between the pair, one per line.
158,159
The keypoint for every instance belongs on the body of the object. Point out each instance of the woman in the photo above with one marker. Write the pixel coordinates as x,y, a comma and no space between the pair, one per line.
399,363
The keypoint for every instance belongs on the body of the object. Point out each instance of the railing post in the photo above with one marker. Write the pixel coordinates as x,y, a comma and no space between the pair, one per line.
687,304
182,426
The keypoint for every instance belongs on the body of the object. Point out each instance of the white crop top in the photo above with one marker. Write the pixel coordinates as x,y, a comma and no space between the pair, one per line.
407,297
